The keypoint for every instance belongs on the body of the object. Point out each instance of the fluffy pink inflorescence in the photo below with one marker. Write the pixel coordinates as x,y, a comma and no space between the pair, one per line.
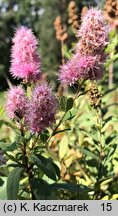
90,67
89,57
93,33
41,109
69,72
16,102
85,67
25,61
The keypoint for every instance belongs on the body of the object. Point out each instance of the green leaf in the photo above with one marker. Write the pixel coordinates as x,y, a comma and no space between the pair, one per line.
3,192
1,110
114,141
109,61
9,124
63,147
93,136
61,131
46,165
105,180
8,147
41,188
57,170
1,123
44,136
106,123
109,91
66,103
88,153
14,165
11,157
63,103
13,183
1,182
70,114
109,157
2,145
69,104
71,187
107,120
12,147
109,139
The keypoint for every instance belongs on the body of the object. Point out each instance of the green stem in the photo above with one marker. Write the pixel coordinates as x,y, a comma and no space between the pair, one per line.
99,123
25,162
54,130
61,120
62,51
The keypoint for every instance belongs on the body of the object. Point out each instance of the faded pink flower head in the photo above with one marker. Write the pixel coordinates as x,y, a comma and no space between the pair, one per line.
41,109
16,102
25,61
88,60
90,67
69,72
93,33
85,67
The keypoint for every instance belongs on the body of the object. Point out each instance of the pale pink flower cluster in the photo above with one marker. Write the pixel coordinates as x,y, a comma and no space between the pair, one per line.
16,102
38,111
69,71
25,61
41,109
90,67
93,33
88,60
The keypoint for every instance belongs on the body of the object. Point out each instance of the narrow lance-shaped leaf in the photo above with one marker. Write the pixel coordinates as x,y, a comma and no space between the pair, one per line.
63,147
69,104
13,183
88,153
63,103
41,188
71,187
70,114
3,192
45,165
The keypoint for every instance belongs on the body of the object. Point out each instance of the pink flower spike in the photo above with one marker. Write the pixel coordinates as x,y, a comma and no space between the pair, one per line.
41,109
85,67
93,33
88,60
69,72
16,102
90,67
25,61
